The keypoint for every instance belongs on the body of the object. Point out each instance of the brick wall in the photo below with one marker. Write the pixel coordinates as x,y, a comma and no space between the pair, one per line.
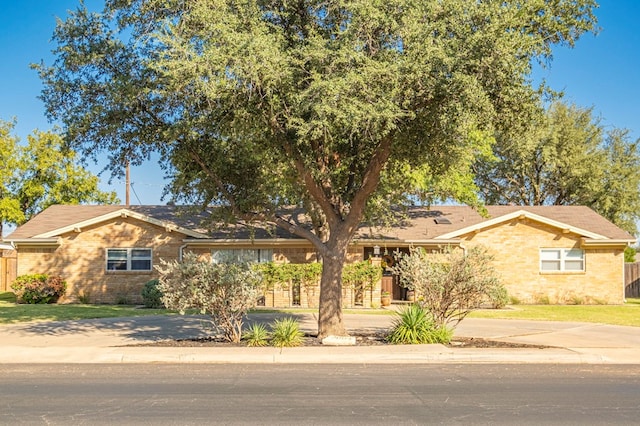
516,246
81,260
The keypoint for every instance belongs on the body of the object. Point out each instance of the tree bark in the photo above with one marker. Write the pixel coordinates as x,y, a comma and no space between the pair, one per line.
330,311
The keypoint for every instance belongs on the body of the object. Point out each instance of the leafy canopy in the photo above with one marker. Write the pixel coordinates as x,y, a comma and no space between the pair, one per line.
567,157
341,108
262,103
42,173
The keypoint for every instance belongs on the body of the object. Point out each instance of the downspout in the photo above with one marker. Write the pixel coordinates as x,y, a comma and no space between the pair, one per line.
181,251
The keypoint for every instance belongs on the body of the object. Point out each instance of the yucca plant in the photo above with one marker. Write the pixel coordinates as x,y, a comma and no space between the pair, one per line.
256,335
414,325
286,332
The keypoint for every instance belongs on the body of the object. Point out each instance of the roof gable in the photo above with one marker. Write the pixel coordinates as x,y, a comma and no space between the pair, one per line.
438,223
521,214
60,219
426,224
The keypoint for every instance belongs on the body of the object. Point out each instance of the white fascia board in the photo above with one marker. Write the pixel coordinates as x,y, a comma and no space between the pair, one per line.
522,214
169,226
33,242
596,243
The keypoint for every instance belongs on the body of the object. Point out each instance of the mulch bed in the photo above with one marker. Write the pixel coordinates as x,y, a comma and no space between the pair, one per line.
363,339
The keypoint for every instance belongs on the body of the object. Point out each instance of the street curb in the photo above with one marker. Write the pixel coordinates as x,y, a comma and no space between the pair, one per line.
413,354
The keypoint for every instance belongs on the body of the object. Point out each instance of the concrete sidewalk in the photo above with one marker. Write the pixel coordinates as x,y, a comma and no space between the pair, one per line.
109,340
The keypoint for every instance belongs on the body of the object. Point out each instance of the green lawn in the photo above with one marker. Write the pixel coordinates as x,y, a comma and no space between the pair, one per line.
11,313
627,314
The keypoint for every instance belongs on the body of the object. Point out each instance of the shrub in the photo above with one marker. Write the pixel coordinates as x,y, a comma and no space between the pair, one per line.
84,297
152,295
451,283
256,335
39,288
498,297
414,325
286,332
225,290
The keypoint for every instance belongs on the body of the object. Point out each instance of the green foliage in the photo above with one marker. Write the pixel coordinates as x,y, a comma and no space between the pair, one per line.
542,299
566,157
284,274
256,105
630,254
498,297
39,288
224,290
362,275
414,325
286,333
256,335
84,297
152,295
40,174
513,300
450,283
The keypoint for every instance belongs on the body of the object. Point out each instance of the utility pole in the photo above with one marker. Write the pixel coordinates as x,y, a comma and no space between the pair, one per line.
127,184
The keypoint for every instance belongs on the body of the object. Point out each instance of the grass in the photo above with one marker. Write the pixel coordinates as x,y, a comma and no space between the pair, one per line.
11,313
627,314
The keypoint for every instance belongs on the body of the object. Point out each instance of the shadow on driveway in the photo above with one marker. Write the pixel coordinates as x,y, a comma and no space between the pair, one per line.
143,328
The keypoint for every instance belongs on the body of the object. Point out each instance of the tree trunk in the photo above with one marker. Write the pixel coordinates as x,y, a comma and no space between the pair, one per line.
330,312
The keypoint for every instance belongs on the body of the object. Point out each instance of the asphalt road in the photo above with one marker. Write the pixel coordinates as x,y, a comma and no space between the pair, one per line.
188,394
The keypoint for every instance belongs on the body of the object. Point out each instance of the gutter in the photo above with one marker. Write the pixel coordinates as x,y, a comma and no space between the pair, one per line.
597,243
34,242
4,246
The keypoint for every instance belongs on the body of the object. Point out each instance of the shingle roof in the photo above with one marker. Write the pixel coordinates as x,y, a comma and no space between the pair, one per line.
420,223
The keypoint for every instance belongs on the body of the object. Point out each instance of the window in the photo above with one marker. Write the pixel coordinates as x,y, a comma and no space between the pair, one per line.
237,255
128,259
568,260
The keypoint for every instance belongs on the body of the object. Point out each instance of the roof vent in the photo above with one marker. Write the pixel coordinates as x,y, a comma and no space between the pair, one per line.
442,221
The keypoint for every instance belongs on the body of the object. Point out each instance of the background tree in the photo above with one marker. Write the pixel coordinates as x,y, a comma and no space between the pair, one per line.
566,157
42,173
9,203
330,106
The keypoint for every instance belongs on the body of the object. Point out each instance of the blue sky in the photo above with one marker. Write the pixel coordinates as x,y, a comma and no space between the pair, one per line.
602,72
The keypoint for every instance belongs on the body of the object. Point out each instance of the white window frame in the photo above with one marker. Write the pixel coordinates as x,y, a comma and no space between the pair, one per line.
130,258
260,255
563,258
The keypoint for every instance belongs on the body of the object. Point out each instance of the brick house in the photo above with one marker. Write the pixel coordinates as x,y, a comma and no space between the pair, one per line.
544,254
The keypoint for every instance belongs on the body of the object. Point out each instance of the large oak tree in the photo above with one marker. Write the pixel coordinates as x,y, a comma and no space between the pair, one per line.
340,108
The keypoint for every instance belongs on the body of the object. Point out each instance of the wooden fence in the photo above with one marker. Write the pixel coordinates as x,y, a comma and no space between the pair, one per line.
632,279
8,266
